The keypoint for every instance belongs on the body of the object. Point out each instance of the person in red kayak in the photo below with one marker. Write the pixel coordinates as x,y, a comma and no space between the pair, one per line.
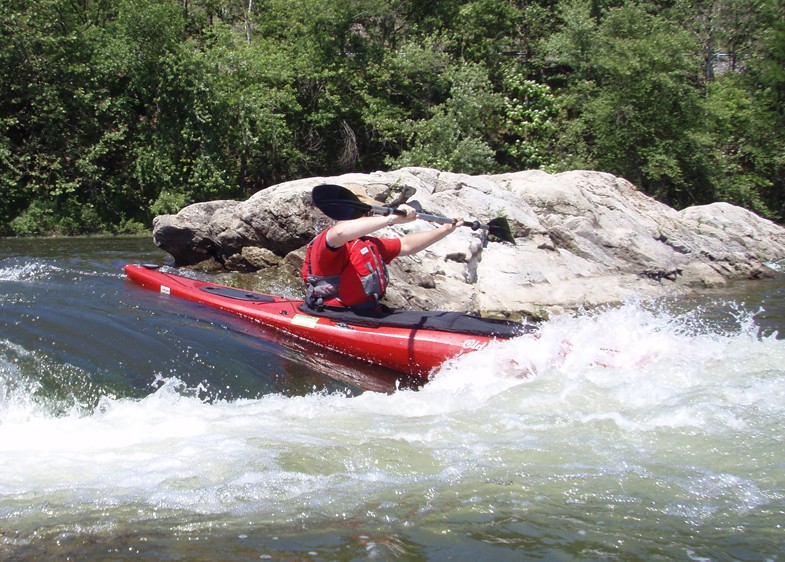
345,267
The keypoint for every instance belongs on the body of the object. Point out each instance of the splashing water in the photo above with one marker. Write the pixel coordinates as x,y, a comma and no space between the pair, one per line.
634,432
628,414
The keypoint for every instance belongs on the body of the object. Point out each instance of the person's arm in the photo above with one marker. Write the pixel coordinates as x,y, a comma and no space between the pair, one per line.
344,231
416,241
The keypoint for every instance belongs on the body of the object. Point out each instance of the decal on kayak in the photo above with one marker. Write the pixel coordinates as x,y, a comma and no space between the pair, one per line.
305,321
165,290
475,345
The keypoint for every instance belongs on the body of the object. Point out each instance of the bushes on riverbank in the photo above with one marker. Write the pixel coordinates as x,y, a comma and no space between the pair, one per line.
112,112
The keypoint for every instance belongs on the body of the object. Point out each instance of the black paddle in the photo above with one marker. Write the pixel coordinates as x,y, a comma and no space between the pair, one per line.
341,204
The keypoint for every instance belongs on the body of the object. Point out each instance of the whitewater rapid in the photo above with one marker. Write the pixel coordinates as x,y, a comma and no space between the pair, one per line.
639,431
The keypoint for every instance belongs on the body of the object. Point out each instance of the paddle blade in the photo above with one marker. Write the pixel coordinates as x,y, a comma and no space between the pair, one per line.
338,203
500,229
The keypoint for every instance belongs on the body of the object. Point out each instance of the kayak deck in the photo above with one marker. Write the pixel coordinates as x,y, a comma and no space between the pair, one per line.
410,349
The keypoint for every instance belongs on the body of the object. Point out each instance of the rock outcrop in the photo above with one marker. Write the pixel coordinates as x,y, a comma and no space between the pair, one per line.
583,239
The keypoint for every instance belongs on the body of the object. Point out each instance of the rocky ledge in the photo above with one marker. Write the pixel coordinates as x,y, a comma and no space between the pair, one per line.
582,239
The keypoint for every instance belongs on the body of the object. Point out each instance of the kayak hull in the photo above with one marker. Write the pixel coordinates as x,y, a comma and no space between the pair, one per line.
411,351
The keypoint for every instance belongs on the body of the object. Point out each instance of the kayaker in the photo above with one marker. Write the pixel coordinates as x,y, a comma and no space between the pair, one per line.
345,267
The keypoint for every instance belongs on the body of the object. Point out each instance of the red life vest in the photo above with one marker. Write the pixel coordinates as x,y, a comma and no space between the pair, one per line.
365,263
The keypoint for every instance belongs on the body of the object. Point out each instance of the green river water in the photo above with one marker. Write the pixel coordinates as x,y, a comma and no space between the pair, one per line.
135,427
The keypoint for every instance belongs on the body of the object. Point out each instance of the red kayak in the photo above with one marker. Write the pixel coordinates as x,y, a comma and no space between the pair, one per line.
411,342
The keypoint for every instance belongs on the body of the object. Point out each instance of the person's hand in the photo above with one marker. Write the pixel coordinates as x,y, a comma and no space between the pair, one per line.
456,224
411,214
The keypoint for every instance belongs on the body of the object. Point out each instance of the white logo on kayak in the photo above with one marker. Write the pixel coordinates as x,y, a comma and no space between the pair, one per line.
475,345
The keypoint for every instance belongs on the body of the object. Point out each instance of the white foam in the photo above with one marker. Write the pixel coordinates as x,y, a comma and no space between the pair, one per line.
620,391
27,271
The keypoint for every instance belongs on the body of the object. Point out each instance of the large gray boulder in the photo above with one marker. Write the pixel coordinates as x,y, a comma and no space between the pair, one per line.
583,239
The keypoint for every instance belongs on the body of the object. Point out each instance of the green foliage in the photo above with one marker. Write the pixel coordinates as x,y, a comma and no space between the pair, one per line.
574,43
113,112
733,128
765,84
529,119
487,29
169,202
639,106
454,137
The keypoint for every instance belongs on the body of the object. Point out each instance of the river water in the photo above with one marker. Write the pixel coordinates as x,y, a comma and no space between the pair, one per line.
134,426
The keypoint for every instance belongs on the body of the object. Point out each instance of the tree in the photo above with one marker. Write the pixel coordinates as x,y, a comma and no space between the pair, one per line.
635,108
733,125
113,111
455,136
766,83
529,122
744,46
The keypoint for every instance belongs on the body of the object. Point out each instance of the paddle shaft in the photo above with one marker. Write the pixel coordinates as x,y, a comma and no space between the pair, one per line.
339,203
385,211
